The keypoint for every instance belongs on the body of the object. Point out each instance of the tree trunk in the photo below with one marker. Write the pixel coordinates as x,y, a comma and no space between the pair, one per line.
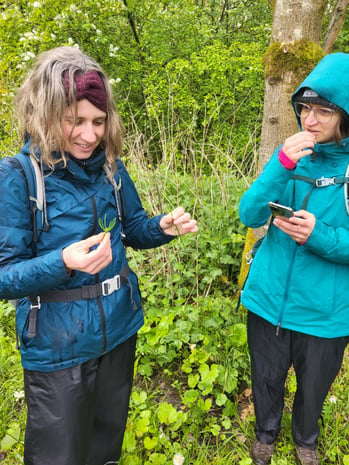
294,50
335,24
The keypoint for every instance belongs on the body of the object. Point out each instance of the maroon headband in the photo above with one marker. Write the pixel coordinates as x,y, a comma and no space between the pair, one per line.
88,86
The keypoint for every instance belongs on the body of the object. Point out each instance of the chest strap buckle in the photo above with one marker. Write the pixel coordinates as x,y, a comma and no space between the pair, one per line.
111,285
324,182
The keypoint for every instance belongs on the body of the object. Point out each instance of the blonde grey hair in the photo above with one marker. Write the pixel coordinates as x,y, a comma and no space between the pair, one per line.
42,101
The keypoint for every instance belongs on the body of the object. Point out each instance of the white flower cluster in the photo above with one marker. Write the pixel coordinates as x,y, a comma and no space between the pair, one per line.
30,36
112,50
18,395
178,459
113,82
25,57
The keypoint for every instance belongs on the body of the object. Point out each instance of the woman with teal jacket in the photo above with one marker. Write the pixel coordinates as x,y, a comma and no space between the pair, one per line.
296,290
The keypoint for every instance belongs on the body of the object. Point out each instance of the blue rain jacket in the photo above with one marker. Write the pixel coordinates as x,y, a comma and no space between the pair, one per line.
305,287
70,333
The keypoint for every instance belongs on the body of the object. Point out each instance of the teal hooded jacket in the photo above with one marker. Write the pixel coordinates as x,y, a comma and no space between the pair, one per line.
305,287
70,333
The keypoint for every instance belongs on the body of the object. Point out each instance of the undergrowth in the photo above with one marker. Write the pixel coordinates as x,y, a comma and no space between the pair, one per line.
191,399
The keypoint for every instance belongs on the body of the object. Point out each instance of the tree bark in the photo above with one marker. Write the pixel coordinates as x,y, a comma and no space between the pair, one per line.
335,25
294,21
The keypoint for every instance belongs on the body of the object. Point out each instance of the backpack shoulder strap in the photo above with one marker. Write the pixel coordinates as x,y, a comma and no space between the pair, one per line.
119,197
36,191
324,182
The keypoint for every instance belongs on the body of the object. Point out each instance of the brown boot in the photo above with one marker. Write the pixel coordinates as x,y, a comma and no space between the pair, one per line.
307,456
261,453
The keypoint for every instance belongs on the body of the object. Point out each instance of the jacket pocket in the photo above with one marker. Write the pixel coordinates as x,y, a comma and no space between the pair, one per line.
135,293
22,321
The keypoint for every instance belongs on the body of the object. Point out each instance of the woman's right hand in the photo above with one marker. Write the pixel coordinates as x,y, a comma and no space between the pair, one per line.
80,255
299,145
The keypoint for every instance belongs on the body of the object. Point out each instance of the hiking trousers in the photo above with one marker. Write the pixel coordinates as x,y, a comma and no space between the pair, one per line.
77,416
316,362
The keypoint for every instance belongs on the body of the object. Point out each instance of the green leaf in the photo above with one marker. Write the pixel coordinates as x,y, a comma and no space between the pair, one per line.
191,396
167,413
12,436
150,443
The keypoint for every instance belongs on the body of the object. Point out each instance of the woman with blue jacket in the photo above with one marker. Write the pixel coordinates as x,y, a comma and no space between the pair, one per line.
79,306
296,291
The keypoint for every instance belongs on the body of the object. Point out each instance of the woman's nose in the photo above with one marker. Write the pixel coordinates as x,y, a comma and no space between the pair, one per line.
88,134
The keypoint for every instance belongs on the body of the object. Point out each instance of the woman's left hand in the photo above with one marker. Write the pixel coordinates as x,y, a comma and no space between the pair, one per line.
178,222
299,227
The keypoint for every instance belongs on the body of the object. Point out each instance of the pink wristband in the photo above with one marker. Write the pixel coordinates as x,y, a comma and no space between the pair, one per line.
285,161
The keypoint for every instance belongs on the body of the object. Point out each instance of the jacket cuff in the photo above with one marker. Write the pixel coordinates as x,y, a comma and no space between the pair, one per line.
285,161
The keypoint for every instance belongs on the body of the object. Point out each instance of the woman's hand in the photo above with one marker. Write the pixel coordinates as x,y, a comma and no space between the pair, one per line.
299,145
83,256
178,222
299,227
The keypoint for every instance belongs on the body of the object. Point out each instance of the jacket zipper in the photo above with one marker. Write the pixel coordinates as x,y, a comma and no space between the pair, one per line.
285,298
99,300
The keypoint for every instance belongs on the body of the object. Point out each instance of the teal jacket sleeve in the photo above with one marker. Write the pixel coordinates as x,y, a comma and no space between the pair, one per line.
21,273
269,186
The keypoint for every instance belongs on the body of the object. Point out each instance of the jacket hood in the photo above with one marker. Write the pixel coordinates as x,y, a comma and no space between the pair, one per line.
329,79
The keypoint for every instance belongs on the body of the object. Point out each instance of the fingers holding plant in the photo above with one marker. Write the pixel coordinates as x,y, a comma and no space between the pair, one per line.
90,255
178,222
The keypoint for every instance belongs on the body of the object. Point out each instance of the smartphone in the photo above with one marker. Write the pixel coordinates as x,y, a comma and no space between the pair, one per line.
280,210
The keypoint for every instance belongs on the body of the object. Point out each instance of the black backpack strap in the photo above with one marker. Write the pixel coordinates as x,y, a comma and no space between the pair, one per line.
319,183
93,291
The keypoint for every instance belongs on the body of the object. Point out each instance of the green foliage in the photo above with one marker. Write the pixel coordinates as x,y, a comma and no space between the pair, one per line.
12,417
200,59
342,42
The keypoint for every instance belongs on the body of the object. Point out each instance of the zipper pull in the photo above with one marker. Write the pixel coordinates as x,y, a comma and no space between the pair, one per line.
277,329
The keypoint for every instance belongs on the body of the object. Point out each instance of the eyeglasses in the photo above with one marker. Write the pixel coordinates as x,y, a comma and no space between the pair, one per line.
322,115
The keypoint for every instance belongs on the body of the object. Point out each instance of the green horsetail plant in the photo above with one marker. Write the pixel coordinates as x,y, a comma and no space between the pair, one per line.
103,224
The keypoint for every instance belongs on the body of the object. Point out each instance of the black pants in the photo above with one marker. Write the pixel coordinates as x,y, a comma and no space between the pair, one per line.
77,416
316,362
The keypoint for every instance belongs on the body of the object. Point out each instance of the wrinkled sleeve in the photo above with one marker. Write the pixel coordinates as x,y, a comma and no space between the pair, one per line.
269,186
141,232
331,244
21,273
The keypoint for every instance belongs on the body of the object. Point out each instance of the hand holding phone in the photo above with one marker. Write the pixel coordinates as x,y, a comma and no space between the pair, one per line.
280,210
